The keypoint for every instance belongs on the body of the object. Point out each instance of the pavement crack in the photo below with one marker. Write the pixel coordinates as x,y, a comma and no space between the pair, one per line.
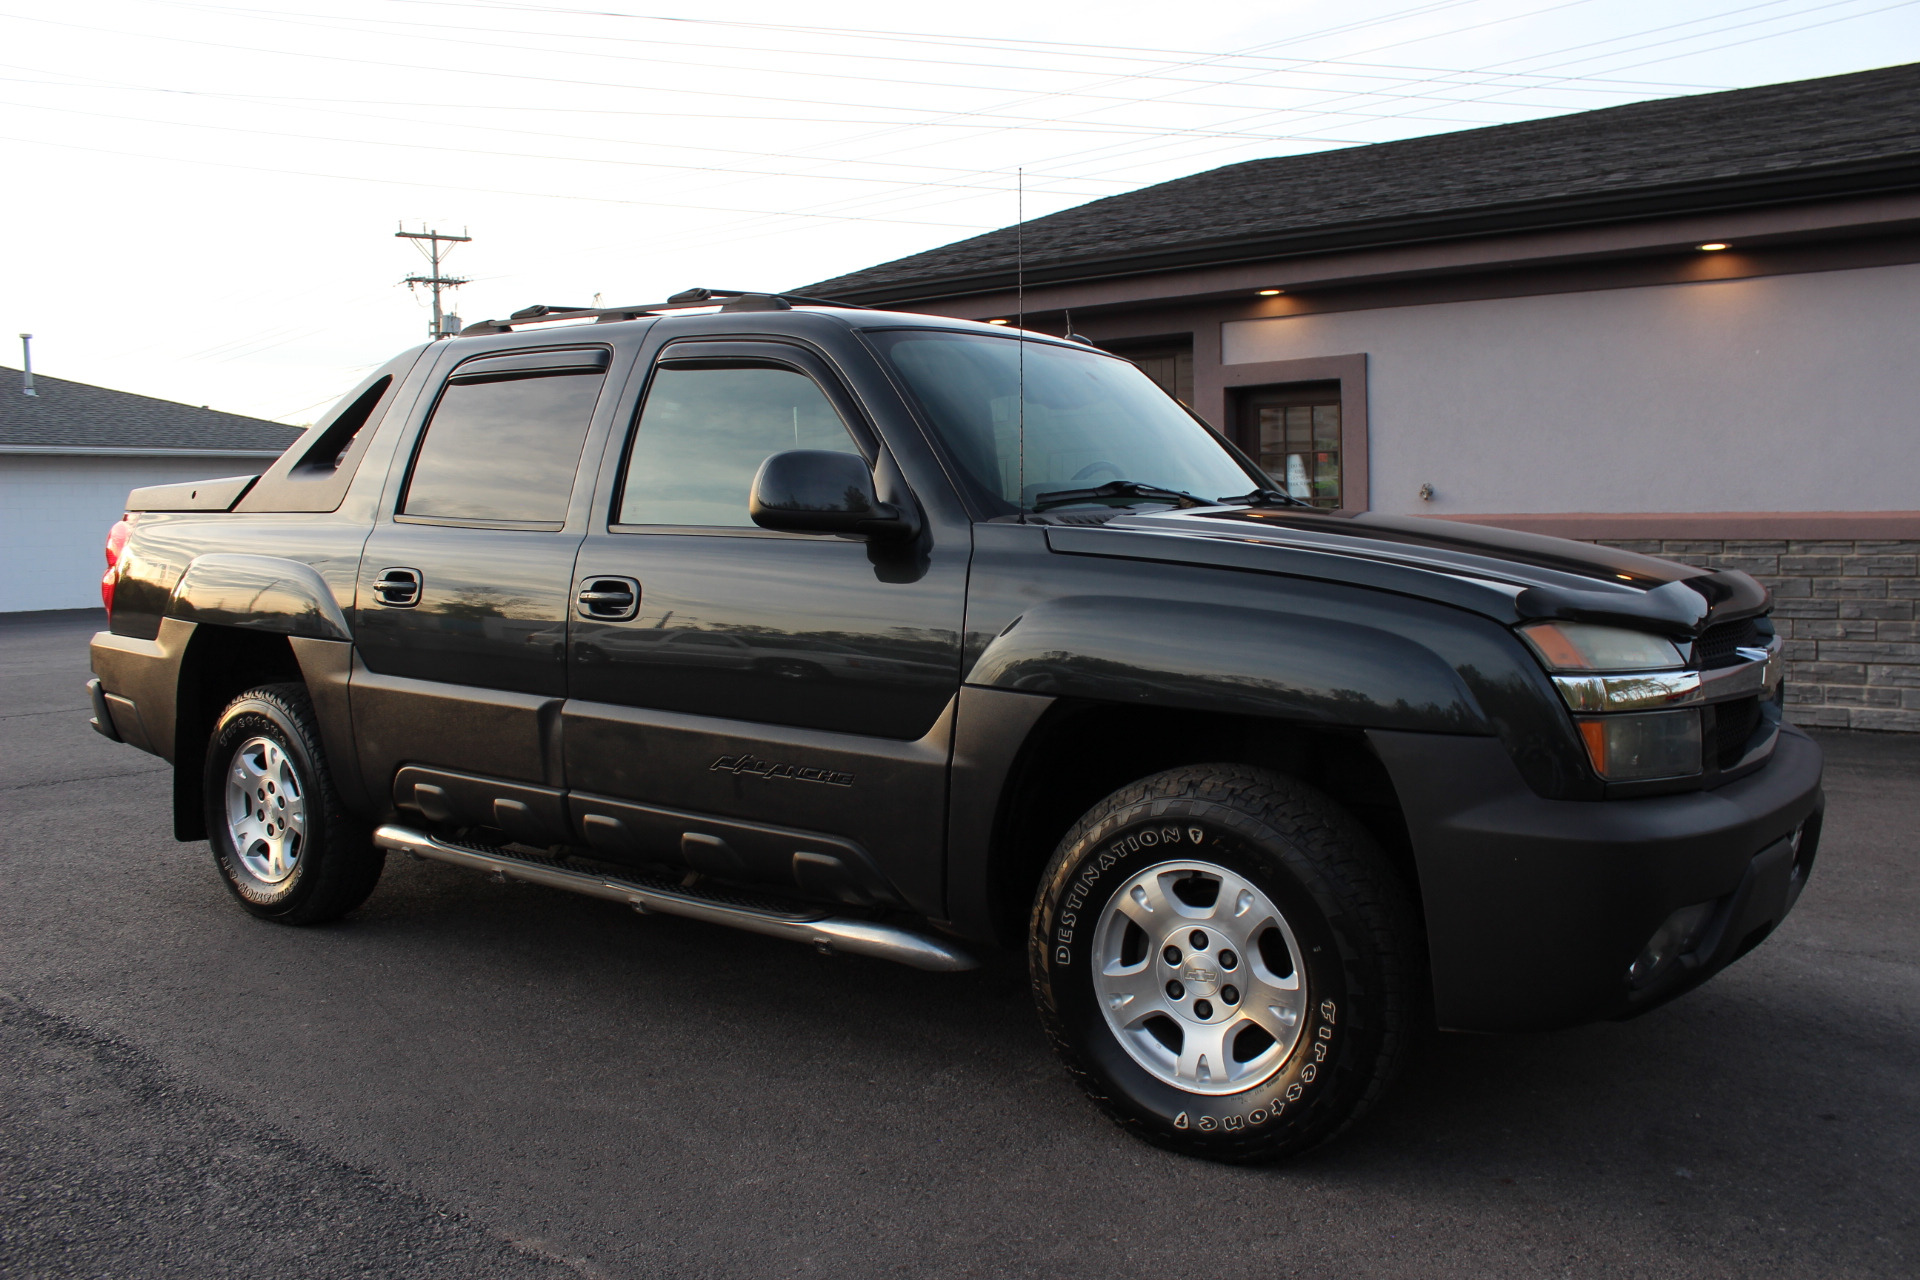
92,777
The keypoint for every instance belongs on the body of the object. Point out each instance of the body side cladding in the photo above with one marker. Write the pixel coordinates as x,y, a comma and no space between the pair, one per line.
487,732
530,814
820,865
991,727
619,751
327,668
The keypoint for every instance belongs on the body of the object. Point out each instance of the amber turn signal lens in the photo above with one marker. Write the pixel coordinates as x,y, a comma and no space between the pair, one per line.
1585,646
1594,734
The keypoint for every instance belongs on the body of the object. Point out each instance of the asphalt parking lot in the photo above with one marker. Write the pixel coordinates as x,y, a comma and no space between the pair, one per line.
475,1080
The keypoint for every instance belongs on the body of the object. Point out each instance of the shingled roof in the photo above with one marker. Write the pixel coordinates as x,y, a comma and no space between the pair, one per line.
1839,135
77,415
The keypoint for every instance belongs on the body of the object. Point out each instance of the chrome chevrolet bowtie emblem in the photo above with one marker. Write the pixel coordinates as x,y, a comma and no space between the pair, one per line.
1198,972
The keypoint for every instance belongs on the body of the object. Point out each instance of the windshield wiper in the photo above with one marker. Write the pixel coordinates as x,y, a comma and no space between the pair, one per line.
1116,489
1266,498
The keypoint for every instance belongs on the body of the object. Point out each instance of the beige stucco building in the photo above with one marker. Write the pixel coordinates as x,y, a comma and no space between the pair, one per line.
1687,325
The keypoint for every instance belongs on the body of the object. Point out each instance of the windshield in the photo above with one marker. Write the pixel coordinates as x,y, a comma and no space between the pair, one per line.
1091,420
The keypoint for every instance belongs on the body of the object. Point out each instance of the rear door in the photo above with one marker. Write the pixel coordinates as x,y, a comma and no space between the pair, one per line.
464,593
776,707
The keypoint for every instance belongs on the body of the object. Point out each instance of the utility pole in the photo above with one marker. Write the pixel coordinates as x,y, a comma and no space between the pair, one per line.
443,327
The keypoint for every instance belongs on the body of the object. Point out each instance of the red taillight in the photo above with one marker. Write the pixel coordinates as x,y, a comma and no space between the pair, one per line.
116,542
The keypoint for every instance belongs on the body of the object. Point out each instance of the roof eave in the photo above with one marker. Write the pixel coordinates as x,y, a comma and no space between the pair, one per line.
1717,195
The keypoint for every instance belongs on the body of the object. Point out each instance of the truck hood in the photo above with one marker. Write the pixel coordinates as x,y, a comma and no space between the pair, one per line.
1514,577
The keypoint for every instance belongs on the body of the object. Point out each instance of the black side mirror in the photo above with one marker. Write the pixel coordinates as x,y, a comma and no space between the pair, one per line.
820,491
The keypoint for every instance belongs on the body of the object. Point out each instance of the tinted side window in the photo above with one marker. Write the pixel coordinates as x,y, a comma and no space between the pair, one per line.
705,431
503,450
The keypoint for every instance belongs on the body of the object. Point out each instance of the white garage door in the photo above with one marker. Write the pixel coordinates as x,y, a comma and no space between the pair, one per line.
55,511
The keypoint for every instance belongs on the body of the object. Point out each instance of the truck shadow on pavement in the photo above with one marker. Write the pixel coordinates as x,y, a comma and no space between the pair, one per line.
1717,1113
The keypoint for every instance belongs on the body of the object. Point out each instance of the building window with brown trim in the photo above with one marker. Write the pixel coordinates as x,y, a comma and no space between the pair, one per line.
1293,431
1168,361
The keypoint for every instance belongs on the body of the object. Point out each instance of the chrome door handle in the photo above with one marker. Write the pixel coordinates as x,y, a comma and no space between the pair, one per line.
607,599
398,588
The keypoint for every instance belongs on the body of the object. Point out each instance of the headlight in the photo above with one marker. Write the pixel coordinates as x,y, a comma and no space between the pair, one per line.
1583,646
1646,744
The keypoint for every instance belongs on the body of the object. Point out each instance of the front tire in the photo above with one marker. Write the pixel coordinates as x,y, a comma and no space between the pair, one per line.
1226,961
285,847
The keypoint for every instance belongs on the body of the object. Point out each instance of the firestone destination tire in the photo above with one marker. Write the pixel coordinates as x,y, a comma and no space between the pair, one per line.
284,846
1226,962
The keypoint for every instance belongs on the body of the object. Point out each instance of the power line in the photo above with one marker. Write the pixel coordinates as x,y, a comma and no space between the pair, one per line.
1114,99
356,23
971,116
494,191
1445,4
1048,126
1321,104
521,155
997,43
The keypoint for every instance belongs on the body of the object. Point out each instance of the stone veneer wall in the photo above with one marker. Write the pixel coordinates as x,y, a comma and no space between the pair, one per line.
1847,612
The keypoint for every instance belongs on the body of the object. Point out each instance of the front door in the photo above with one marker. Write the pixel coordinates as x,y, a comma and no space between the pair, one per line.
465,592
776,707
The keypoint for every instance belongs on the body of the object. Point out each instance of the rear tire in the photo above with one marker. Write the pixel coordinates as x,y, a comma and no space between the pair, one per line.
285,847
1226,962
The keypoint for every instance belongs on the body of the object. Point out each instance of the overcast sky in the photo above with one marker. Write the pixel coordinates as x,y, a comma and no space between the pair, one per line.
201,198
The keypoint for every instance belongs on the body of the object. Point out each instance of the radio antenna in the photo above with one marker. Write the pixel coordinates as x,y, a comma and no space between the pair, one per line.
1020,318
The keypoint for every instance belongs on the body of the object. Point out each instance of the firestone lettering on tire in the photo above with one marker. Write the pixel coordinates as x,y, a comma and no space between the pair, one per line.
1231,1123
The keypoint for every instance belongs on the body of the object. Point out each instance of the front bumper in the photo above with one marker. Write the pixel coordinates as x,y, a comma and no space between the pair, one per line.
1536,908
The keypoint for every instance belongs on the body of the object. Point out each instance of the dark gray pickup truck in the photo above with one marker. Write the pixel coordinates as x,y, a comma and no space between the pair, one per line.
913,638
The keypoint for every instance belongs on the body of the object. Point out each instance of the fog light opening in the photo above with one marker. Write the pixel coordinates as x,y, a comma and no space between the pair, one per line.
1806,844
1642,746
1678,935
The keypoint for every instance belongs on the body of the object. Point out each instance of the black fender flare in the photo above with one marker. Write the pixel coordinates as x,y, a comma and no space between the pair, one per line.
1308,669
258,593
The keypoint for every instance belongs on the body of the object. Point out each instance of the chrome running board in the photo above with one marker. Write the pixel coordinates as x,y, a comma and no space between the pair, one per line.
793,922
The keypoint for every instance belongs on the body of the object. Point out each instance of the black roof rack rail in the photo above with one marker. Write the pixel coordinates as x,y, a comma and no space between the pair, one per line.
725,299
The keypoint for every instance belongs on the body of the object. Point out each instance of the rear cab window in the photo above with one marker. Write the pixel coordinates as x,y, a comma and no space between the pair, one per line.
503,443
